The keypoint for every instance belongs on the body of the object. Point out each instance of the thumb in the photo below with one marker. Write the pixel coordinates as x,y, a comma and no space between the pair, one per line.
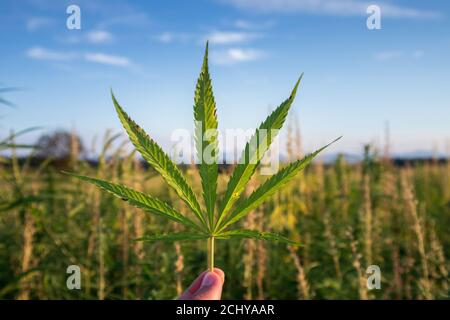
208,286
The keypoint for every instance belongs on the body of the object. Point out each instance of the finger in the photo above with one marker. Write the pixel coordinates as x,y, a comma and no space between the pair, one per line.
210,287
188,293
220,273
193,289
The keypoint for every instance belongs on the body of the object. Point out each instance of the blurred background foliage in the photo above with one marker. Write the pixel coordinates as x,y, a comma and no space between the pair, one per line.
347,215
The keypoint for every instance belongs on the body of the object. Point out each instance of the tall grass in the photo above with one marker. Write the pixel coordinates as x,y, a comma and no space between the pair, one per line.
48,223
346,216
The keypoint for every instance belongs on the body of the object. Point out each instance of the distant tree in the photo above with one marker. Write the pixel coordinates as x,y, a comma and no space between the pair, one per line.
62,146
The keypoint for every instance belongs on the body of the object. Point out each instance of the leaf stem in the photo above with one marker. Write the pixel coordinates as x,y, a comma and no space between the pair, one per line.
211,254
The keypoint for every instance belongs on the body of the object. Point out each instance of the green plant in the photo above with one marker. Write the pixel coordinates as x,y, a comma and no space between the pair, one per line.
209,224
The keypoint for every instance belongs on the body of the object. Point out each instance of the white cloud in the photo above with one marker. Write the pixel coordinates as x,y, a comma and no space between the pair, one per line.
132,19
392,55
40,53
388,55
36,23
165,37
99,36
169,37
235,55
330,7
94,37
229,37
248,25
243,24
417,54
108,59
216,37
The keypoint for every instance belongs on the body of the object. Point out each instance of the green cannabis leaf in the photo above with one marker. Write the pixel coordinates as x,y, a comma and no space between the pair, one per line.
254,234
253,152
206,138
209,224
174,237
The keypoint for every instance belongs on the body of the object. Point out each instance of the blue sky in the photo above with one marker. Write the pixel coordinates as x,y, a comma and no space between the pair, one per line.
150,54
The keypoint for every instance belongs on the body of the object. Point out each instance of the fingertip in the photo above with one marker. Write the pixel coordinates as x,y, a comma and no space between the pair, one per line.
220,273
210,279
207,286
210,288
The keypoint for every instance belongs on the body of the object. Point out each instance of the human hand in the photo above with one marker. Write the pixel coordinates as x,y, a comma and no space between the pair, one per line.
207,286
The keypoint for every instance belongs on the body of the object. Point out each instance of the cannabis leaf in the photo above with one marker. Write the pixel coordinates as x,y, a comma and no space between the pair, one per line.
159,160
209,225
206,137
272,185
170,237
254,234
253,152
141,200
